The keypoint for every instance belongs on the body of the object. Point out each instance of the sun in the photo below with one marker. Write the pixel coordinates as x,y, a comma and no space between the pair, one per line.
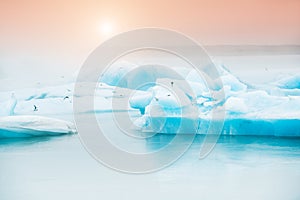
106,28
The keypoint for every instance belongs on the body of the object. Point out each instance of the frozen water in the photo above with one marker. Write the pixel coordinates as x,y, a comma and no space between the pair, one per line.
292,82
140,100
29,126
166,96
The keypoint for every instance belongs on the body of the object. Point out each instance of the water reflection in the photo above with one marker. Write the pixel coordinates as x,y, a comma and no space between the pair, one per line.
27,141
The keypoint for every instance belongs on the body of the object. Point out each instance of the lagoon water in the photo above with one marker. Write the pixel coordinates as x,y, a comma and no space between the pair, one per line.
239,167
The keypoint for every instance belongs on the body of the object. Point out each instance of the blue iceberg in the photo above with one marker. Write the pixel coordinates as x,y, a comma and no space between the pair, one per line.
272,109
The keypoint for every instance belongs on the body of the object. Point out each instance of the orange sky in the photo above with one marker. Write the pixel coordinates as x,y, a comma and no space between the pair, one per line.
208,21
62,33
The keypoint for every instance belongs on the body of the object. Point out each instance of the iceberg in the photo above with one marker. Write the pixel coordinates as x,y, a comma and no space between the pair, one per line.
140,100
8,106
272,109
292,82
33,126
269,109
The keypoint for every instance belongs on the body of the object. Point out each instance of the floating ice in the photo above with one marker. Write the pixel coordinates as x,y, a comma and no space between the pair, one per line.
140,100
114,74
32,126
236,105
8,107
264,108
249,108
292,82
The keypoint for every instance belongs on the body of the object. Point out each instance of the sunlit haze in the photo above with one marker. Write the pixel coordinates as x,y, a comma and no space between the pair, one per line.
57,36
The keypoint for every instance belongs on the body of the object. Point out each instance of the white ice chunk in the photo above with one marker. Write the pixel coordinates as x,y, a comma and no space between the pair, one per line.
30,126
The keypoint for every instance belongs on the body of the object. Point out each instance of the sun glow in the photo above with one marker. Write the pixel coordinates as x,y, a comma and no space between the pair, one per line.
106,28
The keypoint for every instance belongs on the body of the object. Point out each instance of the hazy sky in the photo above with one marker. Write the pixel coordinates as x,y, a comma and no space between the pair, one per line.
58,35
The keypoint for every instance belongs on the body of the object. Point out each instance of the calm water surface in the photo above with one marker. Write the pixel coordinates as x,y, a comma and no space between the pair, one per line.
239,167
